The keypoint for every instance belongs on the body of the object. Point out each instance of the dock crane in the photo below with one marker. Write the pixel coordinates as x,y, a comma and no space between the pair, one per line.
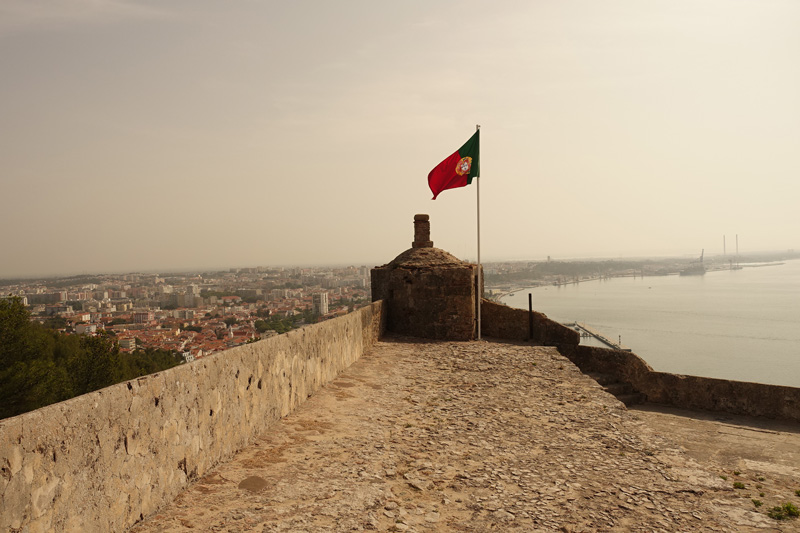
695,267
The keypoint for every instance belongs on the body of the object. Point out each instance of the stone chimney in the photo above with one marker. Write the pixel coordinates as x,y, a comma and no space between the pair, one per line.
422,232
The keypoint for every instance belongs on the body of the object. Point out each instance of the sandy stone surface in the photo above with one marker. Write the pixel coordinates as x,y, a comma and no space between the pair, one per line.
479,436
760,454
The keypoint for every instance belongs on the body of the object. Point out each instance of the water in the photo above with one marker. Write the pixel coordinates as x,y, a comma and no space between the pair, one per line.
742,325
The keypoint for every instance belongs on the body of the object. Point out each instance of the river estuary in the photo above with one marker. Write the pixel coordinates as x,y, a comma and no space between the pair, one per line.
732,324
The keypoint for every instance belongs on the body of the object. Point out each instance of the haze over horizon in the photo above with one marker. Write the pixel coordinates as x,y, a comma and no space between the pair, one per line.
758,258
147,136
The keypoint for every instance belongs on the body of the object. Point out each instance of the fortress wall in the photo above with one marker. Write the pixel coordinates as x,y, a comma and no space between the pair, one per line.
689,392
504,322
710,394
623,365
104,460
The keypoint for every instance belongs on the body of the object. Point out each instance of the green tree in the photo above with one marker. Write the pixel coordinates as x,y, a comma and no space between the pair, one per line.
147,361
14,331
92,367
40,366
29,376
55,322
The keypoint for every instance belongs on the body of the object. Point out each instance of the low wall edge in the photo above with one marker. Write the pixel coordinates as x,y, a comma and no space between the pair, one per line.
687,392
105,460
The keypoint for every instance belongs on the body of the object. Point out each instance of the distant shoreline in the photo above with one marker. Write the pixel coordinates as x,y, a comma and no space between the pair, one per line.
735,325
498,297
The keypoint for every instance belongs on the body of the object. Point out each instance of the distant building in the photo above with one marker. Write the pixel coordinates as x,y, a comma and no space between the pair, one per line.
127,344
183,299
278,294
122,304
58,310
47,298
250,293
24,299
319,303
164,289
143,317
85,329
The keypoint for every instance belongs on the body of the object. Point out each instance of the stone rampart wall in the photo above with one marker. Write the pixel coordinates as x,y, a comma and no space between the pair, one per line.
738,397
504,322
105,460
623,365
687,392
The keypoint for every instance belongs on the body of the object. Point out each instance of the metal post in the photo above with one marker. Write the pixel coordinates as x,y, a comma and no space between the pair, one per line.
530,316
479,292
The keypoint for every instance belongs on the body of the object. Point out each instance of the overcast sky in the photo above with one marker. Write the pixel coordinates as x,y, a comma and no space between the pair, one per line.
156,135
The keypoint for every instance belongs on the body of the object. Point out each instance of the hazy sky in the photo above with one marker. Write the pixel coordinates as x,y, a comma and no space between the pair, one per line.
191,134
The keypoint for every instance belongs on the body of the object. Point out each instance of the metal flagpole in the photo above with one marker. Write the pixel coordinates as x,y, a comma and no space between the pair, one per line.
478,291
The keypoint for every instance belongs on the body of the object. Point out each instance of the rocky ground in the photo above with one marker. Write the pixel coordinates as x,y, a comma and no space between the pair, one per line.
487,436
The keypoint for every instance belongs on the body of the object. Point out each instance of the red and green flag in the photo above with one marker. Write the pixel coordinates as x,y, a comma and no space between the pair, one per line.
458,169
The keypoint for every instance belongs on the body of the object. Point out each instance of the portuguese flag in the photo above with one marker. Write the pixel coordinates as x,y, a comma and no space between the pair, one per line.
458,169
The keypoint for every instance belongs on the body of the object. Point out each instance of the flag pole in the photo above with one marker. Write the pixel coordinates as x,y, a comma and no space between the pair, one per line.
478,291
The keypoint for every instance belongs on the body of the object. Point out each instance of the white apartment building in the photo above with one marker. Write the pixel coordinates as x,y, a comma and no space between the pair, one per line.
319,303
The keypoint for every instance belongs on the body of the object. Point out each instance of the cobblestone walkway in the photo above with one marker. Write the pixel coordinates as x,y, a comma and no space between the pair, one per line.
472,436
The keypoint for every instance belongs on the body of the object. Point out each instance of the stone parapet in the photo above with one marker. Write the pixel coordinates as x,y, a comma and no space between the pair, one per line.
504,322
689,392
622,364
735,397
686,392
105,460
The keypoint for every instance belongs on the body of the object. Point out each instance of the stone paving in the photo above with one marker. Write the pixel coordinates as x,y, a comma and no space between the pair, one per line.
467,436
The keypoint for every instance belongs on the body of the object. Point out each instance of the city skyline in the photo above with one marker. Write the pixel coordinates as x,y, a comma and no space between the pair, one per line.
144,136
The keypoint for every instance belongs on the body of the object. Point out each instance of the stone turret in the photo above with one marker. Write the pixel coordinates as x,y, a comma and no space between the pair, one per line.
428,292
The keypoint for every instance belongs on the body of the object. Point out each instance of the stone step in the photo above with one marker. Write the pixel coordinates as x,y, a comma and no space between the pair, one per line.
622,390
602,379
634,398
619,388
